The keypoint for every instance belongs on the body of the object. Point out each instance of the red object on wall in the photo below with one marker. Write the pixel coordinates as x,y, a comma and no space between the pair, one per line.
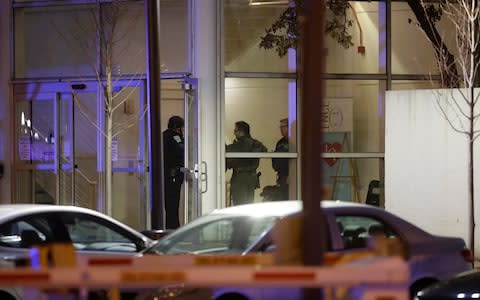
331,148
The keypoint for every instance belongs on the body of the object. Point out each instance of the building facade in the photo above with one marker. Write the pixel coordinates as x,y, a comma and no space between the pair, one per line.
214,73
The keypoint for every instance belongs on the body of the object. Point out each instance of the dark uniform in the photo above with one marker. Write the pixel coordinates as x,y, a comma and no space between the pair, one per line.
280,165
244,179
173,154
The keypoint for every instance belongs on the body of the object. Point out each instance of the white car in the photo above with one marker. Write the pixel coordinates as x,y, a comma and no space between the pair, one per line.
247,228
91,232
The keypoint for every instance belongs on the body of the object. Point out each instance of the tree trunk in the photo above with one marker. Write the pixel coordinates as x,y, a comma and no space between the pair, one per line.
471,187
108,146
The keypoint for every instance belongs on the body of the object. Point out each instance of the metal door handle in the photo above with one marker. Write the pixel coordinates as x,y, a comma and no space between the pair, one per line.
204,177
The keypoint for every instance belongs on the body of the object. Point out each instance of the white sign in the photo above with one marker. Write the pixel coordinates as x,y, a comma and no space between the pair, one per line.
115,148
337,115
24,148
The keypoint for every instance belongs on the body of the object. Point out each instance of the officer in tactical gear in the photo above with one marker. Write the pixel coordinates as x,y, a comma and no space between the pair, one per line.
173,158
280,165
245,178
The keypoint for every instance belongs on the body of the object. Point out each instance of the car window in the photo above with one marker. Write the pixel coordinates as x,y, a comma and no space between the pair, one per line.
89,233
86,232
356,230
224,235
25,232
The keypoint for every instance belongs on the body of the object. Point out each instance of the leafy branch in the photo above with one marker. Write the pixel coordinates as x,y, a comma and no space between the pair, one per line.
284,32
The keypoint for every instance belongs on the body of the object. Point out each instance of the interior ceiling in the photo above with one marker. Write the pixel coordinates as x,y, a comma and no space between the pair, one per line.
245,24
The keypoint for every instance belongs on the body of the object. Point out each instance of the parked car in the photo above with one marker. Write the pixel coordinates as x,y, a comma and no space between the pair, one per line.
463,286
92,233
247,228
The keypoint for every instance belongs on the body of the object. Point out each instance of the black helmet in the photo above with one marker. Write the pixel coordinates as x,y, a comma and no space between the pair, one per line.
175,122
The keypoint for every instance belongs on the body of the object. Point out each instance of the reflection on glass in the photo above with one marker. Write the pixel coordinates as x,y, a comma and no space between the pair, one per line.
417,58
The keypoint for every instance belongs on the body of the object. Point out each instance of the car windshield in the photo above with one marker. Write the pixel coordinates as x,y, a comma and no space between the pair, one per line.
215,234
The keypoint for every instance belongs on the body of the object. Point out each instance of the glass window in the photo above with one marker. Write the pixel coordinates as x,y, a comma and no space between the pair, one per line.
414,84
213,234
354,116
54,41
366,55
129,55
21,234
246,184
356,230
88,234
35,131
129,49
353,179
65,36
412,53
30,231
267,108
175,36
263,104
244,25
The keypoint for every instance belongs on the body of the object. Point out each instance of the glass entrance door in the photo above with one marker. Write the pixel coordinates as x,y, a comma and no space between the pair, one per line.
179,97
44,160
60,147
195,171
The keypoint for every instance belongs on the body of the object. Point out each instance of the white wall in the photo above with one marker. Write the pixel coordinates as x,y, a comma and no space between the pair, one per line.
426,165
205,68
4,107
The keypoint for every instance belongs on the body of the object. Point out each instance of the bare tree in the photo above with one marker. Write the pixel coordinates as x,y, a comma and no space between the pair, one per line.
106,19
459,105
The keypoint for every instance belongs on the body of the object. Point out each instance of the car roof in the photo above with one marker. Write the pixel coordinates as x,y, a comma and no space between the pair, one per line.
283,208
11,211
14,210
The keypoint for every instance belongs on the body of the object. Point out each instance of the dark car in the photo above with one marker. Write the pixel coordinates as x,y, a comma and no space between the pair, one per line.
463,286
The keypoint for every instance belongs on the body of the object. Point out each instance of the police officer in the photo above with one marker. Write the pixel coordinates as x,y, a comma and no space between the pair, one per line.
245,178
280,165
173,158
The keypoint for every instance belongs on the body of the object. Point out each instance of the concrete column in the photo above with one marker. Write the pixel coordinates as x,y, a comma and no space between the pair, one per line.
5,119
207,68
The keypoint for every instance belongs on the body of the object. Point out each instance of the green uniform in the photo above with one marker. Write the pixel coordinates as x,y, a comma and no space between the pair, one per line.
244,177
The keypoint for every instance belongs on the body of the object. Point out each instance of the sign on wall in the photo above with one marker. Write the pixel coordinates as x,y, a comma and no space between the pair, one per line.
24,148
337,115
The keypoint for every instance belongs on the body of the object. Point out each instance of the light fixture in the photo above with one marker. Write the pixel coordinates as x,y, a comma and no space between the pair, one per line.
260,2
